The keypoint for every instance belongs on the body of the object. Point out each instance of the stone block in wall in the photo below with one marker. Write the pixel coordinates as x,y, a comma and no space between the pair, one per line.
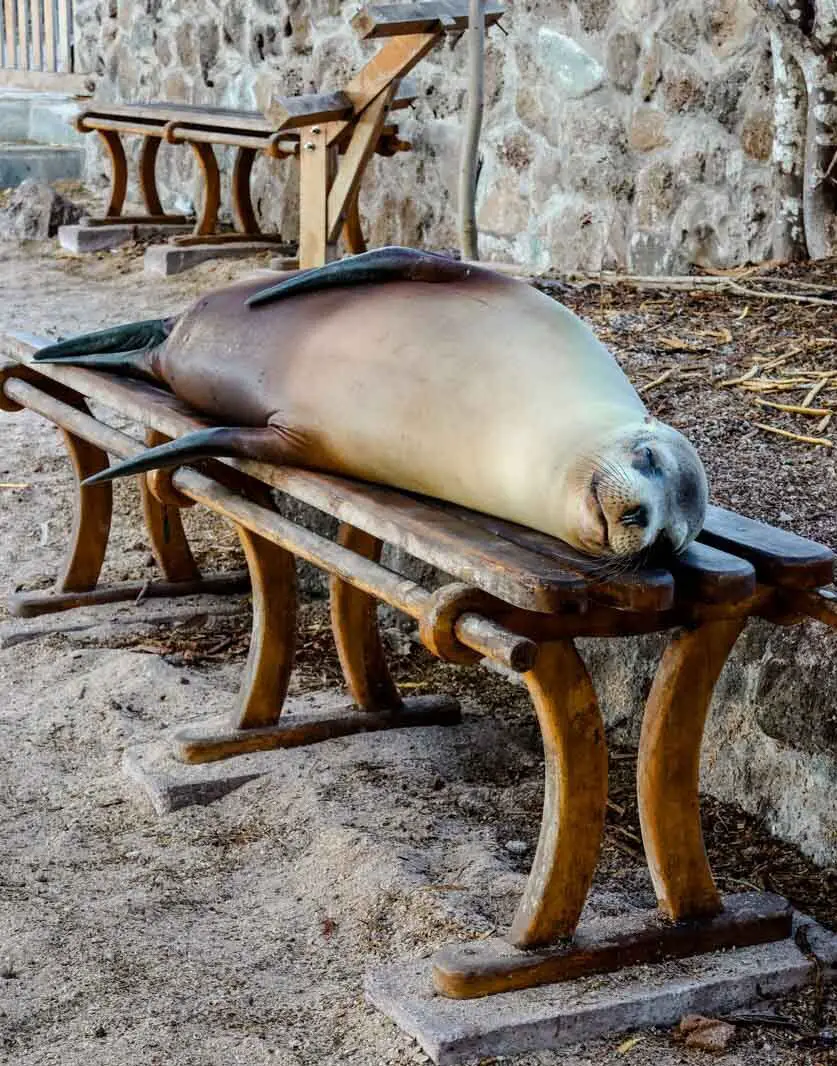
623,52
647,130
569,69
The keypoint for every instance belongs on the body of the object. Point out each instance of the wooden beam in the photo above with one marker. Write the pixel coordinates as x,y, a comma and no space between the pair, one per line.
438,16
483,967
397,58
353,163
290,112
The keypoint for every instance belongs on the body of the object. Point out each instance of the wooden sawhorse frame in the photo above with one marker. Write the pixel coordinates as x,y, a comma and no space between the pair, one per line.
518,598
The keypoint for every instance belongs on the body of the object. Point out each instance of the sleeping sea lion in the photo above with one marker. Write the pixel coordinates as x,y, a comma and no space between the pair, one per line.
449,380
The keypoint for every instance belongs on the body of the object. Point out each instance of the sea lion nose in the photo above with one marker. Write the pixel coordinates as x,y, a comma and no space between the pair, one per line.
635,516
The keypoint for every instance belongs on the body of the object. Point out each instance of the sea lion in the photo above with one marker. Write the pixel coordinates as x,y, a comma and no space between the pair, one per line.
449,380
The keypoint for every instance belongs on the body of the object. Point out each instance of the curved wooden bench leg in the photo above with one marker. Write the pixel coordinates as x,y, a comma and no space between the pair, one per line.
575,796
354,621
207,223
91,518
273,641
165,529
148,175
669,765
242,201
119,172
352,232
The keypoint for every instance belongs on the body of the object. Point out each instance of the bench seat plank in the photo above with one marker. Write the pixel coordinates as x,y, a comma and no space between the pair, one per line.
232,119
703,574
650,590
780,558
392,20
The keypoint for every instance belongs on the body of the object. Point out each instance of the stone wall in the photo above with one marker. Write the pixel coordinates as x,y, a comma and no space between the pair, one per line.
618,133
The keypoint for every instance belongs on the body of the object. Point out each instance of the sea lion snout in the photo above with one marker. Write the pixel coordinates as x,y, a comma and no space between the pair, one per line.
645,490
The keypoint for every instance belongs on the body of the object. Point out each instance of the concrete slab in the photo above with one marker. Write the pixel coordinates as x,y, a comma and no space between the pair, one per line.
165,260
284,264
463,1031
82,239
39,161
169,784
51,120
14,117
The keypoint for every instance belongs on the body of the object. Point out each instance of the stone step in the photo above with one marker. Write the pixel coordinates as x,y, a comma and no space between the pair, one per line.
42,162
44,118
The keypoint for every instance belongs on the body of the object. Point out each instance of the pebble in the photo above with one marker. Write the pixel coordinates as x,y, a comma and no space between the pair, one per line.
517,847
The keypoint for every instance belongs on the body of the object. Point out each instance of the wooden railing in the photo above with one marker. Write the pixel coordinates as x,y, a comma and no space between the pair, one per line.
36,39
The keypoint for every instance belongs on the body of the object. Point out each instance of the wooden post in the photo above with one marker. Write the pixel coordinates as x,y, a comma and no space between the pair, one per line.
313,196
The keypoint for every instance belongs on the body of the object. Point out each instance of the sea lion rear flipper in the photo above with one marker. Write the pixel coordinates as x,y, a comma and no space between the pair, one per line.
135,364
271,444
382,264
133,336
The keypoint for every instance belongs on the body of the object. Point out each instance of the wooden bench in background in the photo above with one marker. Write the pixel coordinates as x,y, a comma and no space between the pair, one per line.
333,135
518,598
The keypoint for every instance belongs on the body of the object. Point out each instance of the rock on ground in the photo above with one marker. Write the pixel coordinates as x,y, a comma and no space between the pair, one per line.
35,211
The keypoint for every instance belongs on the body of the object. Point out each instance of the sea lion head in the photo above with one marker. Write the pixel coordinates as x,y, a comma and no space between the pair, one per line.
638,489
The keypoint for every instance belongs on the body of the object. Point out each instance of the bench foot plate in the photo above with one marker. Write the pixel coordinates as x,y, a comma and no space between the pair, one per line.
468,971
32,604
192,746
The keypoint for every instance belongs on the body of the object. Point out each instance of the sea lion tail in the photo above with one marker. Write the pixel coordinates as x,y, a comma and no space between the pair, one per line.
132,337
217,442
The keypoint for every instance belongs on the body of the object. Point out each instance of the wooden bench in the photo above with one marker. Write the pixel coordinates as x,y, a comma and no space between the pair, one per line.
333,135
517,597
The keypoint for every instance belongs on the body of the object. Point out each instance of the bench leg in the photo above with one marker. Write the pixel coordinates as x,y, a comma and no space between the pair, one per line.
354,621
575,796
669,764
148,175
575,799
119,172
208,221
91,517
165,529
242,201
90,532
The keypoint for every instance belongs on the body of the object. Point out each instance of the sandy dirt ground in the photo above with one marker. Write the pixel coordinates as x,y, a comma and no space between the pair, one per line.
239,932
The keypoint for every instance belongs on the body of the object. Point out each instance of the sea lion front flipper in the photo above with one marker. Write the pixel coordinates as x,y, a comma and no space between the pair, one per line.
131,337
379,265
270,444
